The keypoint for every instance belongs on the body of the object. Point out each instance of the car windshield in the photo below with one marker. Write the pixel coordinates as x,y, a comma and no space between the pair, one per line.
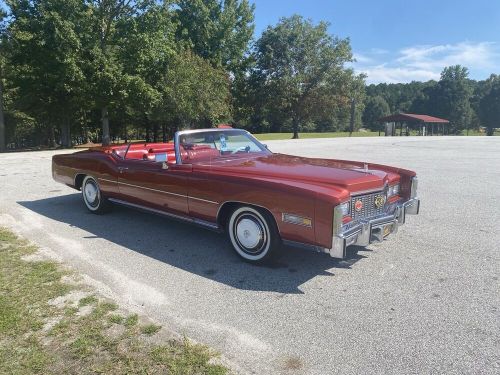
201,146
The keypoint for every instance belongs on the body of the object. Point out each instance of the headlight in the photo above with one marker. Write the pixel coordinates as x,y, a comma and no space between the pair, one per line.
345,208
393,190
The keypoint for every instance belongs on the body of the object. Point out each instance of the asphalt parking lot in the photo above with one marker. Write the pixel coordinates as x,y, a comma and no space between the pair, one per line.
425,301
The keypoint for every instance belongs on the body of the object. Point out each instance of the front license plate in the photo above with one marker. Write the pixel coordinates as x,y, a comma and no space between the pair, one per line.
387,230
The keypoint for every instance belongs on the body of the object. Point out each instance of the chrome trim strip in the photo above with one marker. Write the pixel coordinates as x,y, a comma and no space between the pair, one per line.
105,179
146,188
369,191
363,192
160,191
203,200
213,226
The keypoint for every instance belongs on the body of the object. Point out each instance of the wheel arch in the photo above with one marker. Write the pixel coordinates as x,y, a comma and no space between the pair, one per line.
78,180
228,207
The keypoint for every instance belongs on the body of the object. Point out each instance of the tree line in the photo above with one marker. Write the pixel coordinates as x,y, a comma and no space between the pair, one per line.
74,71
468,104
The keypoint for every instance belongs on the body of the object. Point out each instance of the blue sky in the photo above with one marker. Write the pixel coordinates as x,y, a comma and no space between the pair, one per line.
401,41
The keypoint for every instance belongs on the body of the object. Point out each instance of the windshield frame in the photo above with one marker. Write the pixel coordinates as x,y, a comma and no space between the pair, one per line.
178,134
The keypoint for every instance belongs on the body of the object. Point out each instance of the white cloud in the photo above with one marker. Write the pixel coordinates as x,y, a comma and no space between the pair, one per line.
383,73
477,55
361,58
424,62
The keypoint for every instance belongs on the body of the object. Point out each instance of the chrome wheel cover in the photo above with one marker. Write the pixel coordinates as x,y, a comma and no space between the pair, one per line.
91,194
250,233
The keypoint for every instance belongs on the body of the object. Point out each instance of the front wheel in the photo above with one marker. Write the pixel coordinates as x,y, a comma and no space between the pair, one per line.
92,196
253,234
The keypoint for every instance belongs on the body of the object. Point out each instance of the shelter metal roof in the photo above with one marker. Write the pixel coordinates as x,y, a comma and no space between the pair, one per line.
411,117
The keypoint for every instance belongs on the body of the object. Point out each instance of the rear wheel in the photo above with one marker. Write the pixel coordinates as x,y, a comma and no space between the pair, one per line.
92,196
253,234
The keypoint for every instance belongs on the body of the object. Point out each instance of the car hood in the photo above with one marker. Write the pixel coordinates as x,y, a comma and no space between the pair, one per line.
343,174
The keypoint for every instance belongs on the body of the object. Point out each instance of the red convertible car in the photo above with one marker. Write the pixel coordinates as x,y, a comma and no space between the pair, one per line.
226,180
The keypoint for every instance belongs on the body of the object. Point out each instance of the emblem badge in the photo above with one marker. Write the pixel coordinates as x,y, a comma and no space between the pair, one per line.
379,201
358,205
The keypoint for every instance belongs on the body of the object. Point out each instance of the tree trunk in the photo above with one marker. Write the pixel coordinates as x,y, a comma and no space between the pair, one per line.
2,119
52,137
353,112
155,132
295,129
148,135
85,128
164,133
65,134
105,126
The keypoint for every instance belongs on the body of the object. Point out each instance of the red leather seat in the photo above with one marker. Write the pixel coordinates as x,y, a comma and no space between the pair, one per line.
200,153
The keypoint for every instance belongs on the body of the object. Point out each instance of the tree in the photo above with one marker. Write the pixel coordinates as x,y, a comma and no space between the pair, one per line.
489,105
375,108
103,41
217,30
147,52
45,50
299,66
194,92
450,98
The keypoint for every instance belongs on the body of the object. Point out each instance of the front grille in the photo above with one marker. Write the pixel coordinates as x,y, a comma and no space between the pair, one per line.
369,208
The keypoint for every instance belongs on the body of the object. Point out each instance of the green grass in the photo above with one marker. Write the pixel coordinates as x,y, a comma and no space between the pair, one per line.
41,338
279,136
131,320
150,329
90,300
115,319
473,133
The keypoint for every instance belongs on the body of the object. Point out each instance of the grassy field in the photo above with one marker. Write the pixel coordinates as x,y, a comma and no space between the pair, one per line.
278,136
52,324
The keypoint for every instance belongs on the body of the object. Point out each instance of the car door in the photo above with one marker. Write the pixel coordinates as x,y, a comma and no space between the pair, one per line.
149,184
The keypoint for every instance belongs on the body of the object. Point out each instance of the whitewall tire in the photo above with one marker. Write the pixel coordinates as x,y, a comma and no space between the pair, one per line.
253,234
92,196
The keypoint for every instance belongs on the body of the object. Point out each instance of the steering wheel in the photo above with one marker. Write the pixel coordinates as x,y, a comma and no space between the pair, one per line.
242,148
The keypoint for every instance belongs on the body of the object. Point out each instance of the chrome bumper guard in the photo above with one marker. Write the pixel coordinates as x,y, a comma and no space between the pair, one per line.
371,230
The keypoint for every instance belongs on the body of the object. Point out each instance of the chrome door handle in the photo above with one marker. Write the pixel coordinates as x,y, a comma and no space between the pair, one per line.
121,169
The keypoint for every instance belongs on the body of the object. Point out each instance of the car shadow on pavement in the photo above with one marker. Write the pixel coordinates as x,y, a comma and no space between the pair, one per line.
193,249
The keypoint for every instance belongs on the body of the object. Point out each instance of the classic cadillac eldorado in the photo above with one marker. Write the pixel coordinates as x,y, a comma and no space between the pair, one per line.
226,180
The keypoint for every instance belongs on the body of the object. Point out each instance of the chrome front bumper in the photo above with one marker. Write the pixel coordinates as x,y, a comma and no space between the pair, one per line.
371,230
